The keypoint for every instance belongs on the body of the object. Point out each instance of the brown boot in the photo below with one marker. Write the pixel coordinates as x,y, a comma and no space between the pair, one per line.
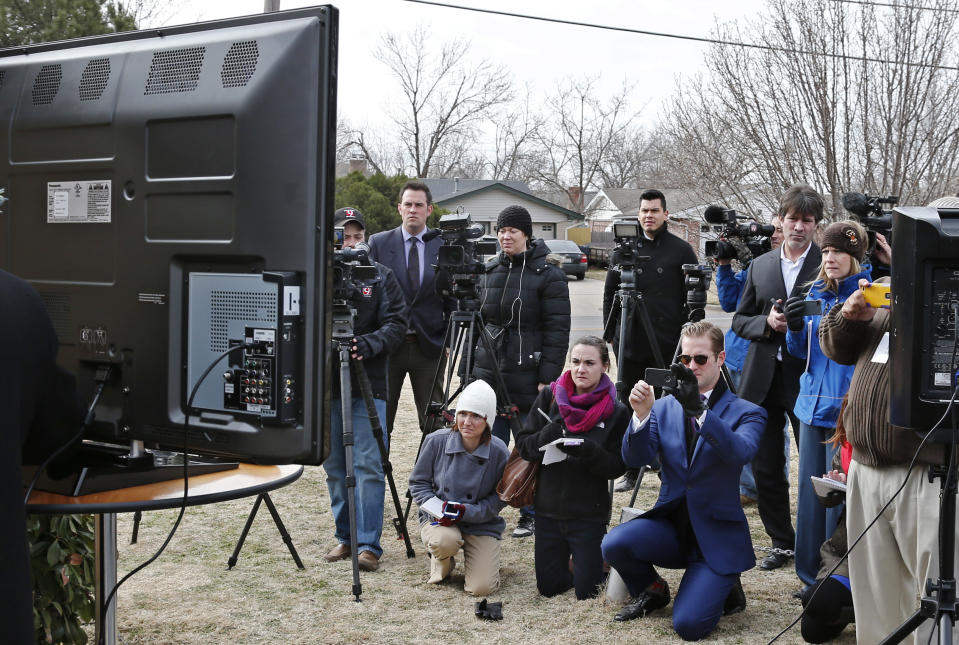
339,552
368,561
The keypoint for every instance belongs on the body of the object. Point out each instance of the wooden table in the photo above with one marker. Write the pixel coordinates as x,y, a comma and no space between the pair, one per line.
245,481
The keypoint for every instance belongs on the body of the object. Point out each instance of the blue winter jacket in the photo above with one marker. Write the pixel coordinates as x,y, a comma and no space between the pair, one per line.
824,383
729,286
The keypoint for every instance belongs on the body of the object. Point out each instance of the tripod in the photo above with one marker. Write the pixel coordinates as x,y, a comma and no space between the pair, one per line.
342,340
939,603
464,327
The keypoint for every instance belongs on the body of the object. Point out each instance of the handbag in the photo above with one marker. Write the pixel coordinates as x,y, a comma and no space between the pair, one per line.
517,487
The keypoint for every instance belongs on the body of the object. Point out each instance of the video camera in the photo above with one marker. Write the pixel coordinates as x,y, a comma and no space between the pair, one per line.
459,259
626,255
352,273
696,280
740,238
874,213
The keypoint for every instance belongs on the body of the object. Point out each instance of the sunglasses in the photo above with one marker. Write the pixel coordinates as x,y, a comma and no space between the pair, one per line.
699,358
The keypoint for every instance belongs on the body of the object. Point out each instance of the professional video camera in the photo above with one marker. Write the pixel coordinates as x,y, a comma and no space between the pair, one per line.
874,213
626,254
352,274
696,281
458,260
740,238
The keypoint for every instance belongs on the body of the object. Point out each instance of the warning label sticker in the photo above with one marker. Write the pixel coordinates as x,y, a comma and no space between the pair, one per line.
78,202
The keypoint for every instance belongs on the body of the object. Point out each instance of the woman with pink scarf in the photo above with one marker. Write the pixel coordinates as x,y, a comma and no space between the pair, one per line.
579,416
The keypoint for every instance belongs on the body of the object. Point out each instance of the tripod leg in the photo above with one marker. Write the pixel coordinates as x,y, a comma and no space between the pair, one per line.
282,529
377,429
639,481
137,516
246,529
346,401
650,332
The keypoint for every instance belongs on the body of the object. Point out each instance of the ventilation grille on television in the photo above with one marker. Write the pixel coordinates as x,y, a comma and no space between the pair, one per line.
47,84
247,306
59,307
175,70
239,63
94,79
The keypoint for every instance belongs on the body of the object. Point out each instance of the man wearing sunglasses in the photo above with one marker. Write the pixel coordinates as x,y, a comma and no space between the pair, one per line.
704,434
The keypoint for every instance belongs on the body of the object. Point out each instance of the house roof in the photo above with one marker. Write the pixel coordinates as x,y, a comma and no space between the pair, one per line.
626,200
508,188
444,188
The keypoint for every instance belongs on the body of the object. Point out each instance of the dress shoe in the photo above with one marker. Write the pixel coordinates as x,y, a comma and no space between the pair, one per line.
736,600
746,501
773,561
339,552
655,596
368,561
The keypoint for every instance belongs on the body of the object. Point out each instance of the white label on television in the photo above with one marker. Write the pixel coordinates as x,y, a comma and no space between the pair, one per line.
291,301
78,202
264,335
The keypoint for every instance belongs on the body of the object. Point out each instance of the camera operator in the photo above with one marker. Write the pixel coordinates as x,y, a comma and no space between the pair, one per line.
661,281
729,287
770,374
526,312
704,434
888,568
40,414
379,324
410,251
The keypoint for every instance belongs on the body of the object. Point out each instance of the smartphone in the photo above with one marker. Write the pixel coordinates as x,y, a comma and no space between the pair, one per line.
659,378
337,237
777,306
812,308
877,295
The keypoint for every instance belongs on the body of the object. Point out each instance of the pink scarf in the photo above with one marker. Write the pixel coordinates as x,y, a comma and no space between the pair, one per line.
582,412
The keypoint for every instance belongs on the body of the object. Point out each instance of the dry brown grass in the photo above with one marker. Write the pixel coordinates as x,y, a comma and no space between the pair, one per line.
188,597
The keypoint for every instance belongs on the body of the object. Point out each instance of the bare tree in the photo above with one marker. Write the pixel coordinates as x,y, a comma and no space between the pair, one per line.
844,97
579,132
444,94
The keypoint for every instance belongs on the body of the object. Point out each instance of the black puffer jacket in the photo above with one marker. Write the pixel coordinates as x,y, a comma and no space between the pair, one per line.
525,307
574,489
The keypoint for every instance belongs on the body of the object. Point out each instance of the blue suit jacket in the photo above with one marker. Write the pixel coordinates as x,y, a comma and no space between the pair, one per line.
427,315
728,439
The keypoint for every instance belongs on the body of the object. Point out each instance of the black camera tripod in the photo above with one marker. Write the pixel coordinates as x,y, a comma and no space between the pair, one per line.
464,329
342,341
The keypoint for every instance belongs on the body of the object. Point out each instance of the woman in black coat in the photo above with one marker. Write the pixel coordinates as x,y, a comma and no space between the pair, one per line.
572,496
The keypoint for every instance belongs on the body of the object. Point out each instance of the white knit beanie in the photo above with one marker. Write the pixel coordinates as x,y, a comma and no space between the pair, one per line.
478,397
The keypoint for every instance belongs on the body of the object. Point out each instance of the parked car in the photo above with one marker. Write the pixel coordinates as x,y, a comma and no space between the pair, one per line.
574,260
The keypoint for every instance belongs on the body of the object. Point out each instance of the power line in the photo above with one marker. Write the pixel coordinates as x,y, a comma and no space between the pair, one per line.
701,39
898,5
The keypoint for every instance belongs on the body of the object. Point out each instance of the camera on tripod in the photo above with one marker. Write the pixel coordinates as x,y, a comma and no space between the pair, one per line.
353,275
696,280
458,259
874,213
626,253
740,238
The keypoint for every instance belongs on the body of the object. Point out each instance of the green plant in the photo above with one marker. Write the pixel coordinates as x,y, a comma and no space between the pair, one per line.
62,561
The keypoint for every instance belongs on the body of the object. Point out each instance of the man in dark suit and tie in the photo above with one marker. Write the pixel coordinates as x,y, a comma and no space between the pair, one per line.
411,252
770,375
704,434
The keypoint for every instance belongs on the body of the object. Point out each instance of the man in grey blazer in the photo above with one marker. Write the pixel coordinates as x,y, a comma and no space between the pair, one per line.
770,376
410,250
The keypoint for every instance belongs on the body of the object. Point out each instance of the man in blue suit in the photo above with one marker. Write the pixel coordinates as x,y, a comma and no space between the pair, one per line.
410,250
704,434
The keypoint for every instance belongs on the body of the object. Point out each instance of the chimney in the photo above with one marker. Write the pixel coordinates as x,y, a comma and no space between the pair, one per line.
358,165
575,197
456,184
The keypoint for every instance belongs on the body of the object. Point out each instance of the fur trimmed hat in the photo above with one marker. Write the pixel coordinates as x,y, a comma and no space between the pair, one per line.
846,236
478,397
516,217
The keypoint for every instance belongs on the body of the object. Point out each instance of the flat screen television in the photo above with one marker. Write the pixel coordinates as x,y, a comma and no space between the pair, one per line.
170,198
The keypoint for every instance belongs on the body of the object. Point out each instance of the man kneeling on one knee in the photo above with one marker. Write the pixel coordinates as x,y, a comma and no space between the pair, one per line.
704,434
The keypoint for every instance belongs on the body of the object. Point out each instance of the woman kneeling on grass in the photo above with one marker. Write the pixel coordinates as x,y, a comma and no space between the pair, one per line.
454,485
572,495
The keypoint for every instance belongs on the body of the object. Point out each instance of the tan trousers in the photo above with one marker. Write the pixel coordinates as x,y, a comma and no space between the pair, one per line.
889,567
480,556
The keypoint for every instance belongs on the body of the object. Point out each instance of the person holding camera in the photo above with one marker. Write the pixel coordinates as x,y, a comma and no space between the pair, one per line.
379,324
704,434
572,499
770,373
410,251
823,383
526,313
659,277
454,484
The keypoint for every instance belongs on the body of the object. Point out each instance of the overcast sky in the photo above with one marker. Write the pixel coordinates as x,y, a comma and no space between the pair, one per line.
538,53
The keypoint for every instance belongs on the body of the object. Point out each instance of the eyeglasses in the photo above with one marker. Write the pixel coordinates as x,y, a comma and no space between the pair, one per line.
699,358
